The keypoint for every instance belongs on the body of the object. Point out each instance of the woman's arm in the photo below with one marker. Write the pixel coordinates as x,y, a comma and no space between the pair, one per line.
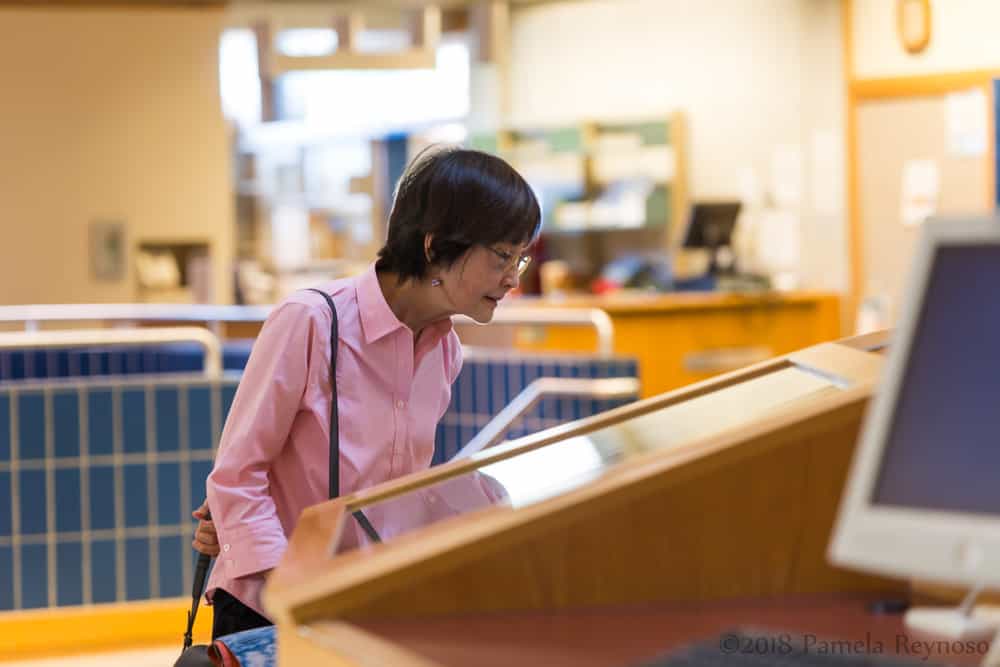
266,402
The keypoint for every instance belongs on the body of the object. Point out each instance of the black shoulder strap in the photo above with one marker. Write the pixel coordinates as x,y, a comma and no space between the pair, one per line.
334,417
359,516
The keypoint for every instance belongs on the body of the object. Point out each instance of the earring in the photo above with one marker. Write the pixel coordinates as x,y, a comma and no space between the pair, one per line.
435,282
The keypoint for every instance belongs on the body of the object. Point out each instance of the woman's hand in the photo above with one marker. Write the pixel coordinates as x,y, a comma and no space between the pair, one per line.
205,539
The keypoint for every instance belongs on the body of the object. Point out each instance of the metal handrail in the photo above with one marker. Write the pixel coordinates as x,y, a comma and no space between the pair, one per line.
588,317
497,427
33,315
12,340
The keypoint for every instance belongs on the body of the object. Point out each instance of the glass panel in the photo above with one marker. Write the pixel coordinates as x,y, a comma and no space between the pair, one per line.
383,41
533,476
713,413
409,511
307,41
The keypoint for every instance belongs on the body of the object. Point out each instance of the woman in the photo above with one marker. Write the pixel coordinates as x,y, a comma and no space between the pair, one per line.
458,232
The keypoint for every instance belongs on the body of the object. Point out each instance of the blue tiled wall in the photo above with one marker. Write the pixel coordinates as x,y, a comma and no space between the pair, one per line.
98,476
98,479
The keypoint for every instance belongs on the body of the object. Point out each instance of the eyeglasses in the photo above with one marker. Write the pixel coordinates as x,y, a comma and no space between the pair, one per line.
517,262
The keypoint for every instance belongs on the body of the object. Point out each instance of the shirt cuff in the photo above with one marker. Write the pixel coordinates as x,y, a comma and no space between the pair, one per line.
249,550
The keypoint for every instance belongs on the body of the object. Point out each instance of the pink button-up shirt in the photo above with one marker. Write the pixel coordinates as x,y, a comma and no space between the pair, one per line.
273,459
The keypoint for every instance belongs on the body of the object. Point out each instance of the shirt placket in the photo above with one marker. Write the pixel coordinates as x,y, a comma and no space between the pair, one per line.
401,397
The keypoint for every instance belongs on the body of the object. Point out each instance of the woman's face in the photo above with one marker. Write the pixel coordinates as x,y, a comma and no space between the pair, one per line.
482,277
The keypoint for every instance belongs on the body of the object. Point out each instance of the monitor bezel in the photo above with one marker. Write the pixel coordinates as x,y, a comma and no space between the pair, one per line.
939,546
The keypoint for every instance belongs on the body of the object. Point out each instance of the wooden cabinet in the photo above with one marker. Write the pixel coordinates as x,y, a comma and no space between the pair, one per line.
683,338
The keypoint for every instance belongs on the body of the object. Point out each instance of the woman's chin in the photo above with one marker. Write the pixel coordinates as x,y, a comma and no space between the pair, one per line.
483,312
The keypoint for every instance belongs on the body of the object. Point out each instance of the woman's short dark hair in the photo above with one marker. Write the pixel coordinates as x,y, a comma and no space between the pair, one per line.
463,198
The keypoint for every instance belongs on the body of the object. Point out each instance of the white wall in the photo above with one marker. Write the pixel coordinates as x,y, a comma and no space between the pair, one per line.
749,81
108,114
733,69
963,37
826,256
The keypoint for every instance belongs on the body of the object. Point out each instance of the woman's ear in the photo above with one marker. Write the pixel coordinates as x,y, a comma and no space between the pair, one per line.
428,239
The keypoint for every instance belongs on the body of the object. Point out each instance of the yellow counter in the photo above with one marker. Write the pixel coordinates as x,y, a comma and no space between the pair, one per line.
685,337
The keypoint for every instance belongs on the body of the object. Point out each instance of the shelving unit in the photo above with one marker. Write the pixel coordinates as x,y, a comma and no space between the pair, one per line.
306,206
606,187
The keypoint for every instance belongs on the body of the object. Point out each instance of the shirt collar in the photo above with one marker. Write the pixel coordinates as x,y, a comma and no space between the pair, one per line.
378,320
432,335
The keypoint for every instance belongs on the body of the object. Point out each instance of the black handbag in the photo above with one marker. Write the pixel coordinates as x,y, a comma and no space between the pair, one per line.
197,656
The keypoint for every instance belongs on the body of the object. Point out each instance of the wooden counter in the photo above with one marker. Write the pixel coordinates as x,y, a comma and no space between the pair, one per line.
624,636
686,337
723,491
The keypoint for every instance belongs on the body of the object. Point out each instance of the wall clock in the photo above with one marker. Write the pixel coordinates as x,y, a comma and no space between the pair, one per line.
913,22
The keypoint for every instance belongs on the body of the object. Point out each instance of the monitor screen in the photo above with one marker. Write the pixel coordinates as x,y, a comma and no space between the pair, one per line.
942,450
712,224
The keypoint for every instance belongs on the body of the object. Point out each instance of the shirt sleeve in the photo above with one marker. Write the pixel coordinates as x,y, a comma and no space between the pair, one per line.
266,402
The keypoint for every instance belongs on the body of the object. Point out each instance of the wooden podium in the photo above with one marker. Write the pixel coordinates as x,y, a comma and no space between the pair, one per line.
723,490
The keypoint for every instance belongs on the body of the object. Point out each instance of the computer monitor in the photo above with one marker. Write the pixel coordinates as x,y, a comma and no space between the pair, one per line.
923,497
711,227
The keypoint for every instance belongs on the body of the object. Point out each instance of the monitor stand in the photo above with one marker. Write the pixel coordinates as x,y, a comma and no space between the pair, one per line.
992,658
957,623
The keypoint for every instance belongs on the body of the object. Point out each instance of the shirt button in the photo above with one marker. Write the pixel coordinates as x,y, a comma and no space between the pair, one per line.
400,404
225,547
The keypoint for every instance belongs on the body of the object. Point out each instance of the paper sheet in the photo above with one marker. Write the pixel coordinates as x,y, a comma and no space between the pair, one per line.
966,123
779,240
786,175
920,191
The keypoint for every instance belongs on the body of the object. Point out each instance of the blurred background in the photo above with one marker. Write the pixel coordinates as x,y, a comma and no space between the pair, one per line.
229,152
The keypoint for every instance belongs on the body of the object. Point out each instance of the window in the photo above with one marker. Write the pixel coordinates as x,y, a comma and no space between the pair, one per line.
347,101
